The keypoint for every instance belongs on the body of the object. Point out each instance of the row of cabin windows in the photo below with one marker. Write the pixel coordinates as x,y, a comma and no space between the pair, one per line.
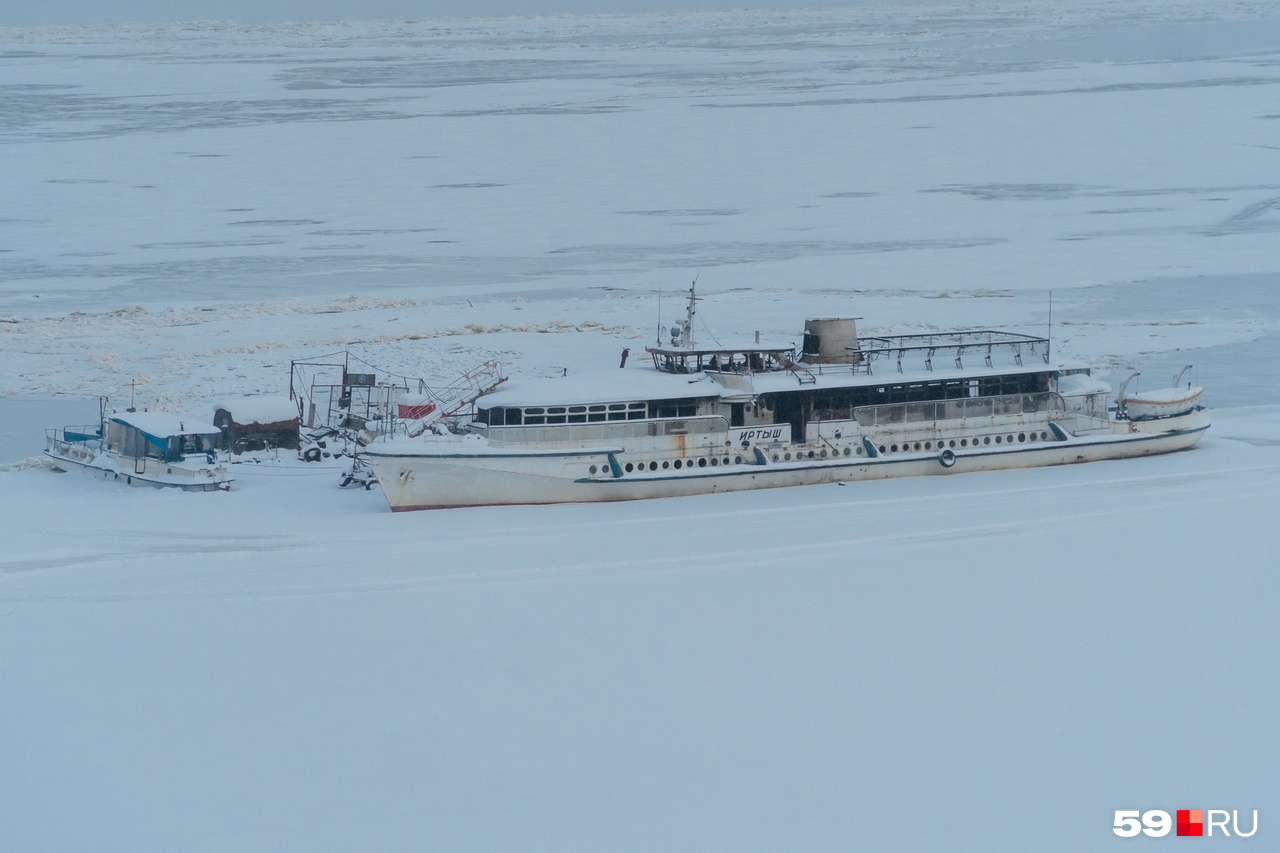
596,413
839,403
832,404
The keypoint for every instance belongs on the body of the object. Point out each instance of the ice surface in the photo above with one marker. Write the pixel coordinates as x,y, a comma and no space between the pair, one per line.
984,662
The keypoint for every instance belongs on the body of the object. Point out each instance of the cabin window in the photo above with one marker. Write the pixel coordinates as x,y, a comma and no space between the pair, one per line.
675,409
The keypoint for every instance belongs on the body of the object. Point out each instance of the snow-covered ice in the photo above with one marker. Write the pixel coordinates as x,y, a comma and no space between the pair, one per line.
985,662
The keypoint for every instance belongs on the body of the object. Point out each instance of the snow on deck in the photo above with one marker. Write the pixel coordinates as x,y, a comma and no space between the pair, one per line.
602,386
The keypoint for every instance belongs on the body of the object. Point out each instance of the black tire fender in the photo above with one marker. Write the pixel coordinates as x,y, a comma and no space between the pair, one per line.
947,458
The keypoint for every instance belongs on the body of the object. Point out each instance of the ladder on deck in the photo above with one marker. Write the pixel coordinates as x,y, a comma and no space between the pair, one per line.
803,375
463,391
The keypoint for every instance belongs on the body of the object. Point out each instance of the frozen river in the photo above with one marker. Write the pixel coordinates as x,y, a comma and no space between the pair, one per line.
985,662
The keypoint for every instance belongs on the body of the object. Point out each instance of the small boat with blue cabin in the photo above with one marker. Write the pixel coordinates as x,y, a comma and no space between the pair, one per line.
751,415
159,449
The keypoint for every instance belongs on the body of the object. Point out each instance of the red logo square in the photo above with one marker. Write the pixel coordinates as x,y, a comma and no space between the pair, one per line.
1190,821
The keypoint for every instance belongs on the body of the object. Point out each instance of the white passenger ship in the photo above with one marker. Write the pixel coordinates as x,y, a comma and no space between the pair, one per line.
751,416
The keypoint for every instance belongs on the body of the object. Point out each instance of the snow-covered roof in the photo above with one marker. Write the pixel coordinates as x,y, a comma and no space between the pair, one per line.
1077,384
732,347
164,424
259,410
603,386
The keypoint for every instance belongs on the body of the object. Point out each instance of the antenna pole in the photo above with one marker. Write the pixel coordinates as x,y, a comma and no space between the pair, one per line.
1049,346
689,312
659,316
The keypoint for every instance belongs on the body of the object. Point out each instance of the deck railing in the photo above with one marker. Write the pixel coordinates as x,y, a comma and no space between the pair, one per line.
962,408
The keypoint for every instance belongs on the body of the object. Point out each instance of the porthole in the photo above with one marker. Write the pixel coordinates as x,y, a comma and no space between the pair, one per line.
997,439
737,460
953,442
847,452
858,451
823,454
1044,436
653,466
678,464
1008,439
702,462
916,446
630,468
928,445
964,442
893,448
786,456
593,469
715,460
986,440
1022,436
775,457
665,464
726,460
882,450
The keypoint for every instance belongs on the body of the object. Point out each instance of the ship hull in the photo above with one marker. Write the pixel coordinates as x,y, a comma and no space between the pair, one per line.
419,481
104,467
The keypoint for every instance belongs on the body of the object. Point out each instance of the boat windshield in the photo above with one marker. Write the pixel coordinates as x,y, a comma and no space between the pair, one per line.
190,444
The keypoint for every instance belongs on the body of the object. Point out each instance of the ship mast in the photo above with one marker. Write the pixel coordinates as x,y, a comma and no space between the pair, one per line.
686,333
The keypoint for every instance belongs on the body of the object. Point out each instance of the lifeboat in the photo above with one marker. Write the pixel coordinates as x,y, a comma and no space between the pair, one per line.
1162,403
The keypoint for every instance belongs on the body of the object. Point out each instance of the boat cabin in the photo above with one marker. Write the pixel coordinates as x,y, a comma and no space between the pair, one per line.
166,436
